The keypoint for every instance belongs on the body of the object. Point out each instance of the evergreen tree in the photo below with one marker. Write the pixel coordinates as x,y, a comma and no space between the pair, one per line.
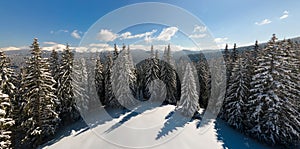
6,122
294,61
188,103
152,72
91,86
204,80
272,116
68,112
122,78
7,76
110,99
41,120
238,93
168,76
99,80
227,59
234,54
8,81
54,65
79,84
116,52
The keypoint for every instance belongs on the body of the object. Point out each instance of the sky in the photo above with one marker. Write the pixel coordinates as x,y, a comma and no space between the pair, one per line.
58,22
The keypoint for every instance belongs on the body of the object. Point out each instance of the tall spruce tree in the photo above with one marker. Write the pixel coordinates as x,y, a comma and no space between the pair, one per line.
6,122
54,65
110,99
8,81
7,76
168,76
188,103
152,72
272,116
41,120
123,77
79,84
204,80
234,53
238,93
99,80
67,108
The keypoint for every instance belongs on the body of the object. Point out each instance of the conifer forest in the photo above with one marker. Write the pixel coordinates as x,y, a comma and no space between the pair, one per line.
47,93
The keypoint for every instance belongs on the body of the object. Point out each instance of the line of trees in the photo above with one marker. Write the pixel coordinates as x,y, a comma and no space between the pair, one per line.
36,102
262,93
48,93
262,97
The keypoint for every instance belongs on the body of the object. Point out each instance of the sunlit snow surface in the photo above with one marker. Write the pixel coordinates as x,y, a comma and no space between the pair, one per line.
154,128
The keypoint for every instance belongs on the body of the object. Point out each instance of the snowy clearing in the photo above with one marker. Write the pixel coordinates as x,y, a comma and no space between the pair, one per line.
154,128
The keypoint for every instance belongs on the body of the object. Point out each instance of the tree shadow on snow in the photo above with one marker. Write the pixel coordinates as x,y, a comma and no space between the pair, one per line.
104,115
234,139
206,118
174,121
78,127
137,111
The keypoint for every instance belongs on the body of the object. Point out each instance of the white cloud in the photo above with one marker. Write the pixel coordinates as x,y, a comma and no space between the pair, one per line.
56,46
221,40
198,28
128,35
167,33
197,36
263,22
285,15
75,34
100,47
10,48
49,43
59,31
106,35
161,47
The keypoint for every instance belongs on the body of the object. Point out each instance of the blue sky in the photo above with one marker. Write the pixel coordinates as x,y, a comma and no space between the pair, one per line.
229,21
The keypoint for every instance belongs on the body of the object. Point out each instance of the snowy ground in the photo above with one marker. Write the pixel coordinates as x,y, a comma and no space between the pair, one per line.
157,128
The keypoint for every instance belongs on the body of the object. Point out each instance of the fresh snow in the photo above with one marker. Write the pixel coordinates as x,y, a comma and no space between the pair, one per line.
154,128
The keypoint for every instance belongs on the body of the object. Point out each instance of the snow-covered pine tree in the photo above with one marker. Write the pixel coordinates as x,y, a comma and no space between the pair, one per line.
79,84
292,50
168,76
110,100
67,108
227,59
99,80
41,120
54,65
91,86
152,72
238,92
116,52
8,81
122,78
133,83
234,54
204,80
7,76
188,103
6,122
272,116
